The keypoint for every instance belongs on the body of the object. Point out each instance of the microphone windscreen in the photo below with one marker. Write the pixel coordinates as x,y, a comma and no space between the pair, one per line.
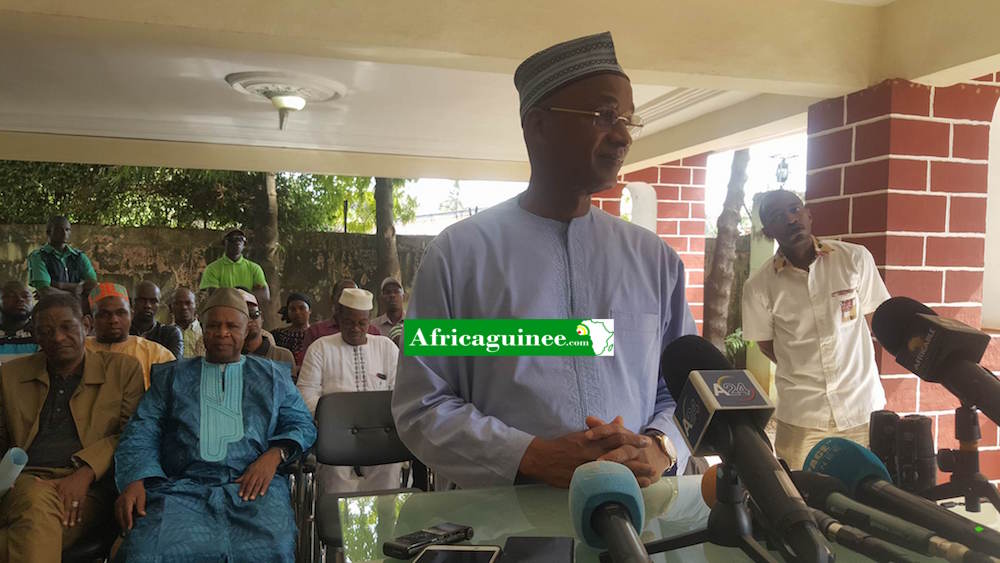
686,354
10,467
816,487
891,319
599,482
709,481
847,461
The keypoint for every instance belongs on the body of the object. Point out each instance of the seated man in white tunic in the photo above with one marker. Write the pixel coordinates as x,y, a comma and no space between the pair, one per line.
351,360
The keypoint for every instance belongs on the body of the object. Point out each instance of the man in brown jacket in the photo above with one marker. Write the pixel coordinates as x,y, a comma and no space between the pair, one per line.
66,406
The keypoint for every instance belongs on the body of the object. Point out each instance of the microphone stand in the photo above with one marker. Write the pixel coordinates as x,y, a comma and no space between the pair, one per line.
729,523
963,464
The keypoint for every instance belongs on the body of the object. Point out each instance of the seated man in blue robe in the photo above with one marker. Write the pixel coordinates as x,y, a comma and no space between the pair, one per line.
197,462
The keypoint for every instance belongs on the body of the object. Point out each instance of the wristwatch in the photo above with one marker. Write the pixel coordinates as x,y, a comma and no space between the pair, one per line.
285,452
665,445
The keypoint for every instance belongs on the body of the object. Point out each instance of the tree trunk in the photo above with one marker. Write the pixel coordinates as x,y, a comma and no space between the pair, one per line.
268,249
719,280
385,232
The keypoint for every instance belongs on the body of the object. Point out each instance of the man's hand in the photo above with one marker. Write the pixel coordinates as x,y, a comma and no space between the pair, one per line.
133,498
257,477
554,461
647,462
72,490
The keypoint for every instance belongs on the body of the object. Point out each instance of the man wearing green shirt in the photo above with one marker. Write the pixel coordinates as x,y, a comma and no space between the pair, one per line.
233,270
57,264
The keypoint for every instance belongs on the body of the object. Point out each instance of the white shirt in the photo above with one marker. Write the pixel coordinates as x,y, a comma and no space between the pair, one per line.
825,359
334,366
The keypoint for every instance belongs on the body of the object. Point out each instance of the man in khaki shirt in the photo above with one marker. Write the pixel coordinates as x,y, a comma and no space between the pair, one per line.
66,406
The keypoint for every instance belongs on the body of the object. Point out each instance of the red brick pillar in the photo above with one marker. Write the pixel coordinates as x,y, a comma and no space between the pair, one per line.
902,169
680,216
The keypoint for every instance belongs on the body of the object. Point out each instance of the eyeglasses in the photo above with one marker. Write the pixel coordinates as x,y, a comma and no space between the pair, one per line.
606,119
254,315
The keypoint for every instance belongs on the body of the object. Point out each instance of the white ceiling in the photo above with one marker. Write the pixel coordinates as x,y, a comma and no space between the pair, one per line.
53,84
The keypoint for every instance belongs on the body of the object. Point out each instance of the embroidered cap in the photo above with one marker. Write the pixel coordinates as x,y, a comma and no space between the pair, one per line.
107,289
550,69
356,298
226,297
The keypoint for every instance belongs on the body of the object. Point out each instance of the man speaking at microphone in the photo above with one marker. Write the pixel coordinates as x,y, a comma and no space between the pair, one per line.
547,253
807,310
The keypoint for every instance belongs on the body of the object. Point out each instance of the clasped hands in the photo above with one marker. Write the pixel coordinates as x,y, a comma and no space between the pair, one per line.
554,461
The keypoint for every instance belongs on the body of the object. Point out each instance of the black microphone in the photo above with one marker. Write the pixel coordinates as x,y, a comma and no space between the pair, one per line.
830,495
915,455
939,350
723,411
858,541
882,439
865,478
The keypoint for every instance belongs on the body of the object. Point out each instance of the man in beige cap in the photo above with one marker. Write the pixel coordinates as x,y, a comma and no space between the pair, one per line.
351,360
257,342
197,464
392,307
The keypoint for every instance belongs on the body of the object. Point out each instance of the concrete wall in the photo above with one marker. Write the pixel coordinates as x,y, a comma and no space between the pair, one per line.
176,257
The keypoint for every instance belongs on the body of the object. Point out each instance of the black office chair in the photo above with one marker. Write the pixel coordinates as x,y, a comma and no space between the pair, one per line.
355,429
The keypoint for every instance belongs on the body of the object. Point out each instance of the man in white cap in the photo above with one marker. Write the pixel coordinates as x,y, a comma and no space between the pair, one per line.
351,360
547,253
392,307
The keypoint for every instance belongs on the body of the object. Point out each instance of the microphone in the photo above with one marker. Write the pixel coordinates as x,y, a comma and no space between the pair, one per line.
830,495
882,439
930,346
722,411
606,506
866,479
10,467
860,542
915,455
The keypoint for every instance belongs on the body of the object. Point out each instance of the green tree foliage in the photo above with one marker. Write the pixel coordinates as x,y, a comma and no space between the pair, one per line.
185,198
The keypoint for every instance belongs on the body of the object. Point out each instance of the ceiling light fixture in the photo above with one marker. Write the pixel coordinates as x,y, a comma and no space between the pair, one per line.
287,92
285,104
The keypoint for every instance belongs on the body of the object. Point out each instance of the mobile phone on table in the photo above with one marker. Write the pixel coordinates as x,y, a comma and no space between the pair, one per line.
405,547
459,554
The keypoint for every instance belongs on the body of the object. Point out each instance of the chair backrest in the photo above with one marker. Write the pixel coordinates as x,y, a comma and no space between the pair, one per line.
357,429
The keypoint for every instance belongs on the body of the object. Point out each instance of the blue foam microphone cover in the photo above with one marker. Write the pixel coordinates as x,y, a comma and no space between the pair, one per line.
10,467
596,483
848,461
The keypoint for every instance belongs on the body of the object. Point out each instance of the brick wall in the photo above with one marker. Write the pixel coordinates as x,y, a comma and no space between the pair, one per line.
680,215
902,169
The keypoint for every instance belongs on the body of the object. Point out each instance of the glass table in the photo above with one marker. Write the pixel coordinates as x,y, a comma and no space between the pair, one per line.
673,507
